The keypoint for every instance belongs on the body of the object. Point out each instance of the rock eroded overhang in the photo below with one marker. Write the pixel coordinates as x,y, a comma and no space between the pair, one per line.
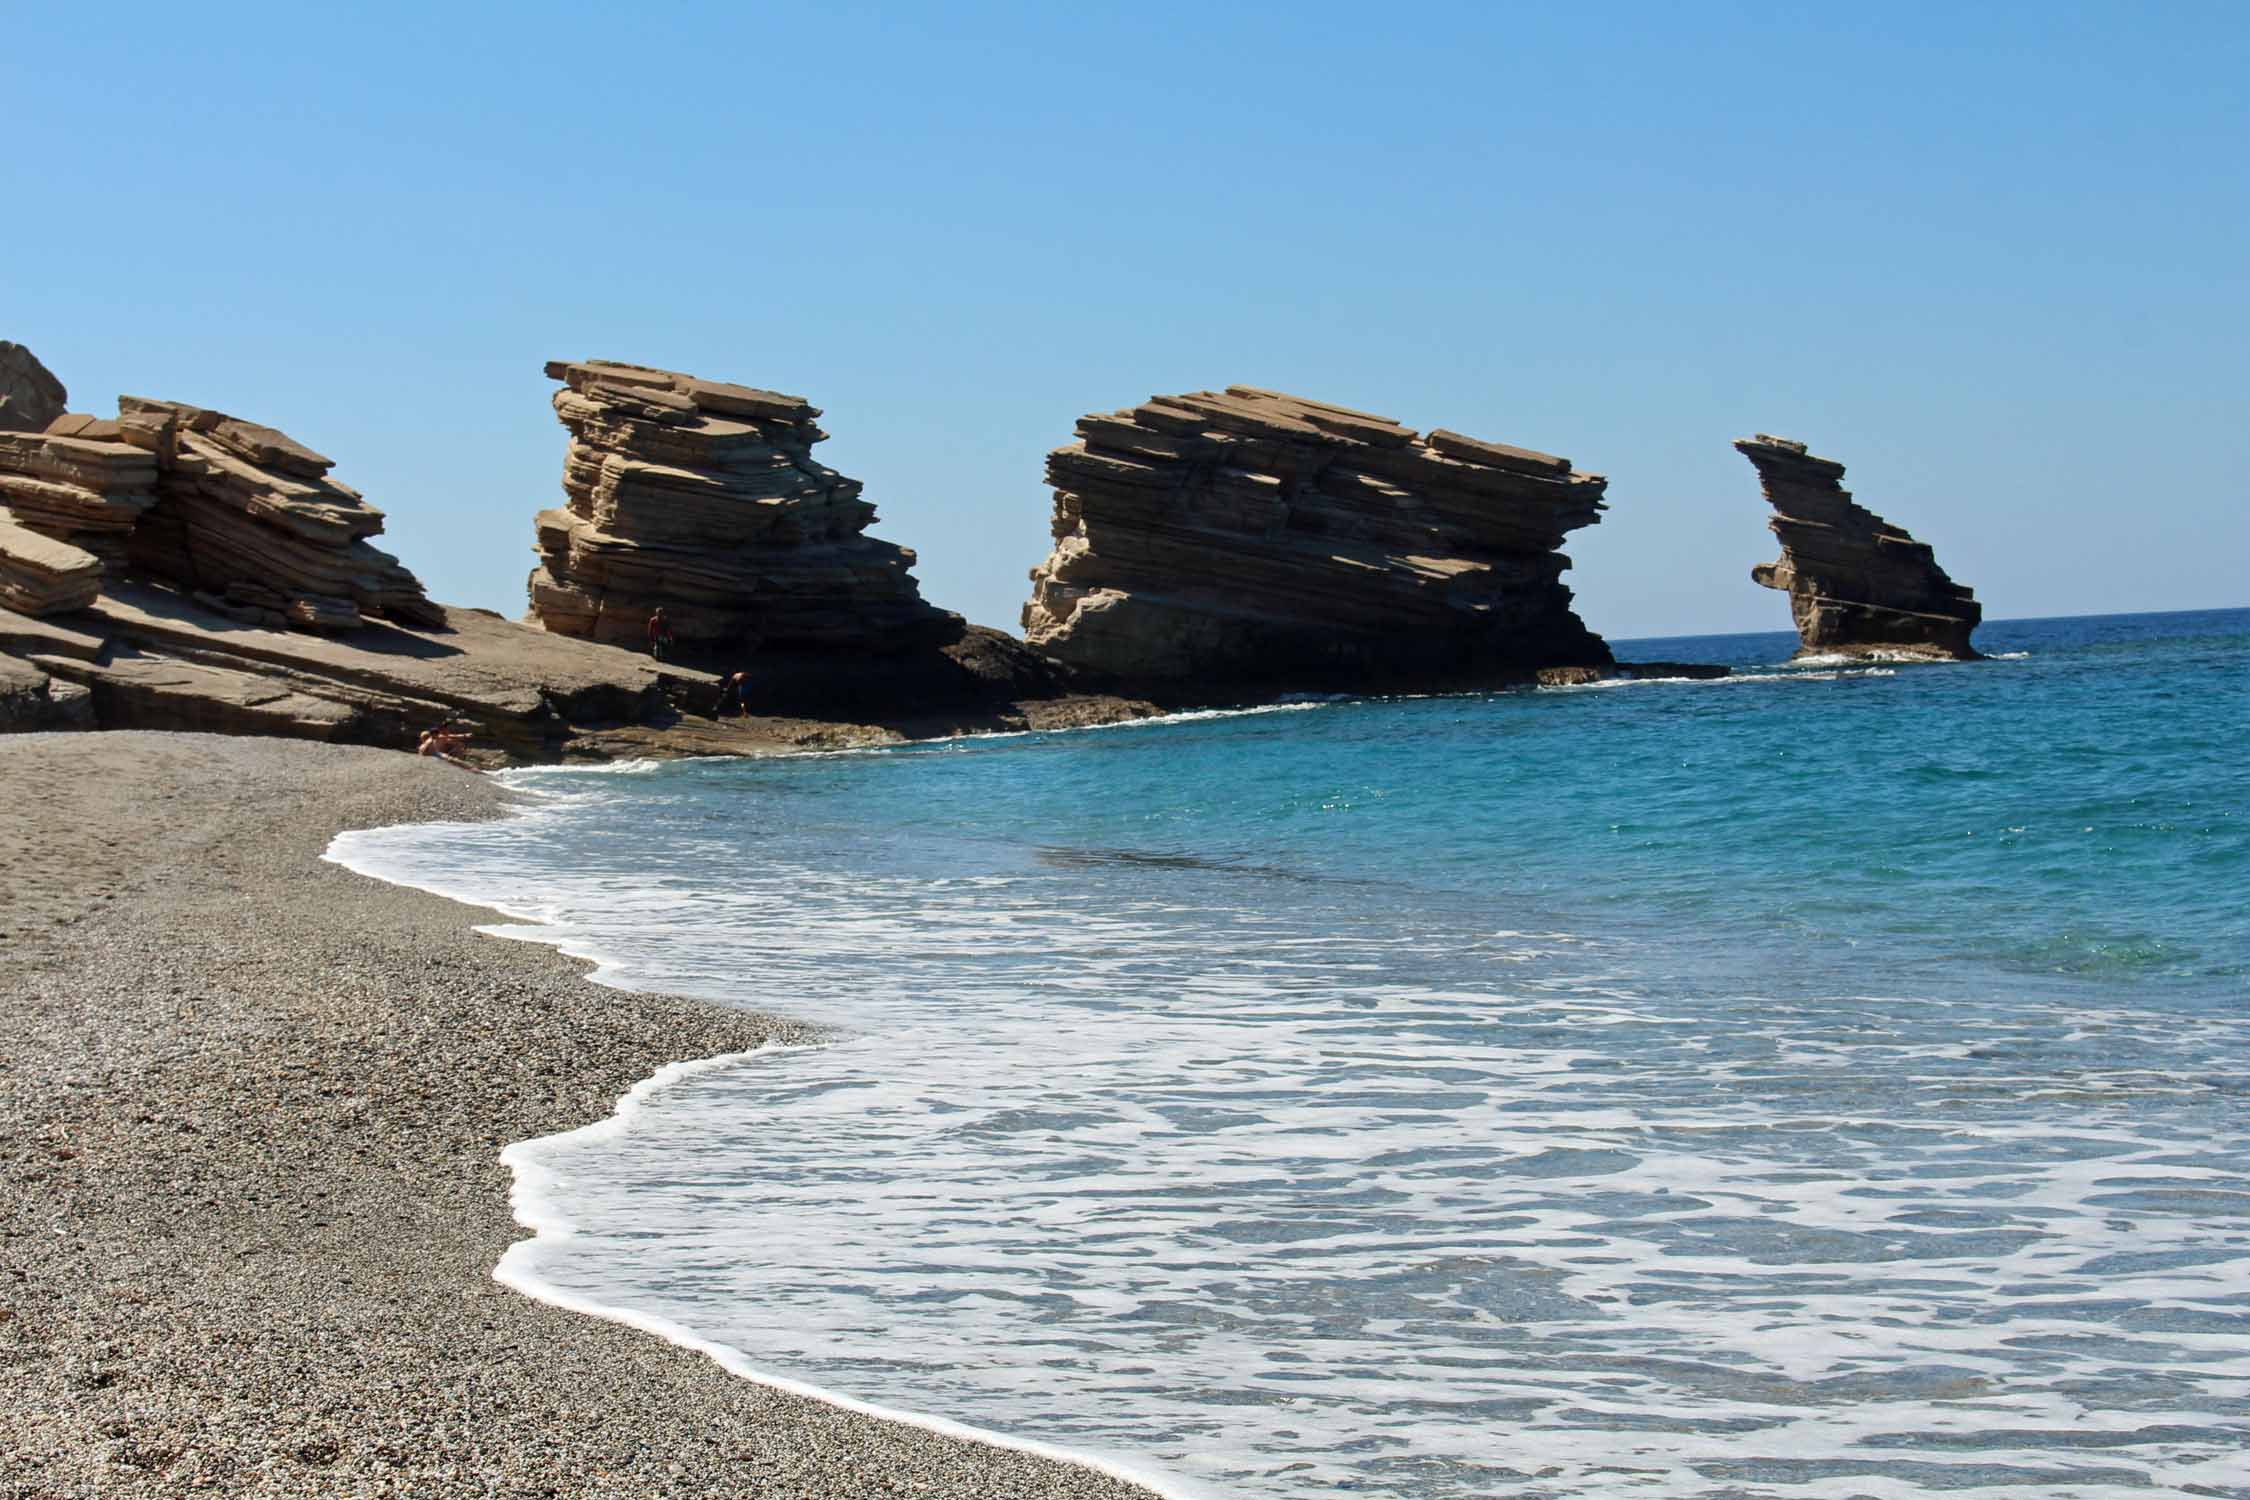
1856,583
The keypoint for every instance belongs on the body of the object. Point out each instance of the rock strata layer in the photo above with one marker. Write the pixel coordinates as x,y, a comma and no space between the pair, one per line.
78,483
41,576
144,656
245,517
1247,536
249,520
177,568
1857,585
703,498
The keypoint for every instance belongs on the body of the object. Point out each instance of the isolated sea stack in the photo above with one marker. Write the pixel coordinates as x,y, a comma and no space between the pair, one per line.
703,499
1857,585
1249,537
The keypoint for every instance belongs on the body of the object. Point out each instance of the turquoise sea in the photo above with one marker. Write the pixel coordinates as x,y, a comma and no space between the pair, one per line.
1828,1081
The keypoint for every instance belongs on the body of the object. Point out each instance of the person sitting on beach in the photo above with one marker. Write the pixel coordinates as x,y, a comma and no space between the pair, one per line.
445,743
659,634
734,695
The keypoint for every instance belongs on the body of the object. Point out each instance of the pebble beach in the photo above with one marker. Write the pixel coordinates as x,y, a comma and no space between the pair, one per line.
251,1111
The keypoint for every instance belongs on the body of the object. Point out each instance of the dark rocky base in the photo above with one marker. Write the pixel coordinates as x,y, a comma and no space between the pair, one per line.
1694,669
1830,627
146,656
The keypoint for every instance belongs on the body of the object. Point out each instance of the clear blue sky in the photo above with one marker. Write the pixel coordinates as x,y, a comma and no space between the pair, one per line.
1996,258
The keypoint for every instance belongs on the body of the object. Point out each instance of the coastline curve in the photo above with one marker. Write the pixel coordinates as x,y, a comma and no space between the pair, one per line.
531,1196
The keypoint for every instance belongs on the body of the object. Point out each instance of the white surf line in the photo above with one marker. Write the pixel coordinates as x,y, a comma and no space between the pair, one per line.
509,775
1152,721
528,924
531,1203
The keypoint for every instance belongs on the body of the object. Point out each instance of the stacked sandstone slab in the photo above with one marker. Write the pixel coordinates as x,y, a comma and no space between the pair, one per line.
244,517
703,499
78,482
69,497
52,504
1857,585
248,519
41,576
1251,536
142,560
154,658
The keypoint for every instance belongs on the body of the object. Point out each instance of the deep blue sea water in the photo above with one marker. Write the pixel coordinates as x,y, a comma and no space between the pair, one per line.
1829,1081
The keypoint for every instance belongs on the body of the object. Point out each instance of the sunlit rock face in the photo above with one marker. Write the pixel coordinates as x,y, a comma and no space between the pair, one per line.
249,520
1857,585
243,517
1249,536
703,499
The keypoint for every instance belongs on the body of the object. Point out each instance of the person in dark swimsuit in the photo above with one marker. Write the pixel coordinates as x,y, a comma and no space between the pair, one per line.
734,696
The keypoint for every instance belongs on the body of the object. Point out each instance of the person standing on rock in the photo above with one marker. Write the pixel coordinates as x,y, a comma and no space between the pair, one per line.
659,635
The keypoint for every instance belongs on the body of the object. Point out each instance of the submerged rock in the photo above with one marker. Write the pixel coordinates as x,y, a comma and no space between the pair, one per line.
1857,585
1249,537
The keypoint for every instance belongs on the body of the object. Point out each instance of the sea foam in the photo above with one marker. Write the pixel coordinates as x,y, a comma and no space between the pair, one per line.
1546,1094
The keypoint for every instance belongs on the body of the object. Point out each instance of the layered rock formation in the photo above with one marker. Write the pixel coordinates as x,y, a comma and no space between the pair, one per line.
158,570
1253,537
69,493
244,516
248,518
703,499
99,517
30,395
41,576
1857,585
143,656
77,482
